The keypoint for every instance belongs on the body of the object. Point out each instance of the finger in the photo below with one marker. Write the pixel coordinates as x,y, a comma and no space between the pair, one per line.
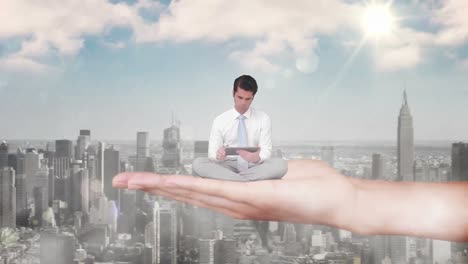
229,212
121,179
243,154
234,191
222,205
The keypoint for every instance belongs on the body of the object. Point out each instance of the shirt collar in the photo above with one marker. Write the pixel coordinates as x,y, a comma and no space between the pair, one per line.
236,114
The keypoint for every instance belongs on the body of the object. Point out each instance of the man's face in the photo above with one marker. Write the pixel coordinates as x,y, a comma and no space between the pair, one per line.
242,100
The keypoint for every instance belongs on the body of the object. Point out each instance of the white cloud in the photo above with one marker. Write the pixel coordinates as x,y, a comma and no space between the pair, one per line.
58,28
16,63
399,58
114,45
307,64
278,28
283,36
452,17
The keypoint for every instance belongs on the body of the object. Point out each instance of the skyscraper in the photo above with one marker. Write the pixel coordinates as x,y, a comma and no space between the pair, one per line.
7,198
168,217
82,143
64,148
153,235
459,173
142,144
80,189
172,150
377,166
127,211
289,233
111,168
32,163
460,161
3,155
207,250
61,166
405,147
380,248
57,248
100,164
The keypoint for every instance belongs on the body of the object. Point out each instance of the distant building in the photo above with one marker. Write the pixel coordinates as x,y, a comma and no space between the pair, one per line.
7,198
377,167
405,144
459,161
57,248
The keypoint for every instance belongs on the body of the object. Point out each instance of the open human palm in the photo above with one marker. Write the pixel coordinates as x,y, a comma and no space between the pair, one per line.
310,192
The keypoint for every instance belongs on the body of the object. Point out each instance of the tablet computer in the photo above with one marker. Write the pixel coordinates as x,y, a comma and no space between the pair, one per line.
231,151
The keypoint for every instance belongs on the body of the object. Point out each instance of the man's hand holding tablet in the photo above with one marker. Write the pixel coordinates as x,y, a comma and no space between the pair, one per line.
232,151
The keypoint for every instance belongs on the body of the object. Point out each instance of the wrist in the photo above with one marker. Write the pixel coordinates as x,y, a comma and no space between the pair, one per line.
347,212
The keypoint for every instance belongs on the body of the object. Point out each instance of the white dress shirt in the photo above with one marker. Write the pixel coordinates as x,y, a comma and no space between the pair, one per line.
224,132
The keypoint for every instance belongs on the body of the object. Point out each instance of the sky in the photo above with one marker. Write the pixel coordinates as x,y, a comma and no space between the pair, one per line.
118,67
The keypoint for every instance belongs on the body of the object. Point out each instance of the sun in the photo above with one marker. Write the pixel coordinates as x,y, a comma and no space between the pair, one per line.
378,20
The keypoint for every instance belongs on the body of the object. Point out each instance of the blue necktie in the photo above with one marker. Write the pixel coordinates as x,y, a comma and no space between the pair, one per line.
242,164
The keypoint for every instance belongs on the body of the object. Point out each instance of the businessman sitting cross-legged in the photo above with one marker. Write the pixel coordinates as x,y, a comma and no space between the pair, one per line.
241,126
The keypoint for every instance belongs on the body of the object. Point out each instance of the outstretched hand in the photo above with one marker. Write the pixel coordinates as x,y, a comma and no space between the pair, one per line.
310,192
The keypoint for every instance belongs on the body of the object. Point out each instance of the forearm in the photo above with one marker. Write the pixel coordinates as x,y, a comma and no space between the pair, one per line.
435,210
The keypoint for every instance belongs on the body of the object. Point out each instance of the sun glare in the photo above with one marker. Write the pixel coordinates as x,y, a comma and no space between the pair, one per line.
378,20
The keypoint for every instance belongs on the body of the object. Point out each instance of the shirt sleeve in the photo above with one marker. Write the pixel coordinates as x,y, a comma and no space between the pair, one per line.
265,139
216,140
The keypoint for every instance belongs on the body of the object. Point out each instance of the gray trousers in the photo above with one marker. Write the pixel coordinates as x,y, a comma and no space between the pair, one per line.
273,168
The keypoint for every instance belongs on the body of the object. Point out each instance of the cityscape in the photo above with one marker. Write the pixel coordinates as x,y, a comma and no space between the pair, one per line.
89,89
58,205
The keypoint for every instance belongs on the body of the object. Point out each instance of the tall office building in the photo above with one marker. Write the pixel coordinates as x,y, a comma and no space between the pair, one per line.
56,248
441,251
152,234
377,167
290,233
21,193
328,155
380,248
459,173
111,168
3,154
142,144
105,212
405,147
420,171
172,153
7,198
200,149
61,166
79,179
100,164
82,143
207,252
64,148
13,161
127,211
459,162
168,217
400,249
226,251
41,181
40,203
32,163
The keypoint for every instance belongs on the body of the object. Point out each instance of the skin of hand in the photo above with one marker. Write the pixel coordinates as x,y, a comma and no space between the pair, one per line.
298,197
250,156
311,192
221,153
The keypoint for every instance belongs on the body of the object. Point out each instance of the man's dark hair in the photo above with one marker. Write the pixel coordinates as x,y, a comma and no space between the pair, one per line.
247,83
